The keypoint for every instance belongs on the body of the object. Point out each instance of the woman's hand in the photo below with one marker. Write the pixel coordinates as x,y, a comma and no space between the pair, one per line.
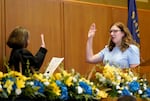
43,42
92,30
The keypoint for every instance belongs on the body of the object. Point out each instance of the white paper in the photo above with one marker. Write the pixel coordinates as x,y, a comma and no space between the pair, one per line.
54,63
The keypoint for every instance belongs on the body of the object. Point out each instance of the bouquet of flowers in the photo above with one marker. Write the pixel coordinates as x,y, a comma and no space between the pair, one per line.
120,82
75,87
61,86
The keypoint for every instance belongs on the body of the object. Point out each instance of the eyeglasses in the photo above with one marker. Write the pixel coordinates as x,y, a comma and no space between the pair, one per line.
114,31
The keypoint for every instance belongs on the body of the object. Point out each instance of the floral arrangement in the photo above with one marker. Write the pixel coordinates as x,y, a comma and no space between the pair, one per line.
68,86
118,82
61,86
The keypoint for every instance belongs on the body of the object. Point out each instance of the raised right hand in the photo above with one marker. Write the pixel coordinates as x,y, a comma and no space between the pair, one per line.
43,42
92,30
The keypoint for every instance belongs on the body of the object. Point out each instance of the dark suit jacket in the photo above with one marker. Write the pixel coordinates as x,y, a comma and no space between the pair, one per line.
23,55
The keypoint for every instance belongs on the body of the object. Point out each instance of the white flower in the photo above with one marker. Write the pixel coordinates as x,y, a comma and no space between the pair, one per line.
118,77
46,83
119,91
135,78
115,83
31,83
144,87
141,79
79,90
0,86
117,87
127,82
97,90
46,75
74,79
18,91
140,91
102,79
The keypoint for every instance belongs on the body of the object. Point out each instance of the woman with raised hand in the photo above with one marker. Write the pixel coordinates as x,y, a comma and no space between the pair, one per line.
21,59
122,51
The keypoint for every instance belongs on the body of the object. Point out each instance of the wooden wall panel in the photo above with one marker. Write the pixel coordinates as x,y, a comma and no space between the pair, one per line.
77,19
119,14
144,26
39,16
2,34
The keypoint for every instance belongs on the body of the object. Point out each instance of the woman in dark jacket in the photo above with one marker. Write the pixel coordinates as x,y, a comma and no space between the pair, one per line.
21,59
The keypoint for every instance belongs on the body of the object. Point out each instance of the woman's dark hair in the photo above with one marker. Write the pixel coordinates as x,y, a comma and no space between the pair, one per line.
126,98
126,40
18,38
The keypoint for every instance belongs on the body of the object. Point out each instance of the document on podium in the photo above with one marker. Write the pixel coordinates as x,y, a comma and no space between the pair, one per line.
54,63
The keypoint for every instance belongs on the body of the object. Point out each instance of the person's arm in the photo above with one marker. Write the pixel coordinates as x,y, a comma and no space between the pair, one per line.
133,65
134,56
42,40
40,55
34,61
90,57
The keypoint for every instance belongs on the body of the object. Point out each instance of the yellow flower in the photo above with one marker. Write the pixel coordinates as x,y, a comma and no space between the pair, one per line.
55,88
11,73
94,87
20,83
40,77
109,75
15,73
58,76
112,73
52,77
8,85
1,75
24,78
126,77
85,80
69,81
36,76
65,73
102,94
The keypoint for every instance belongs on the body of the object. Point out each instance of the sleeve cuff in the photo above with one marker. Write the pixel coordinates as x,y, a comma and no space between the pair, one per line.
43,50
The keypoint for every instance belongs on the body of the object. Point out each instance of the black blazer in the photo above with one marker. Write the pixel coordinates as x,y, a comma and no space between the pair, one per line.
23,55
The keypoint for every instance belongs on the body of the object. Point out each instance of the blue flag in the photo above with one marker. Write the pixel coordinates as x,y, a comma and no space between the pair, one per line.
133,20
